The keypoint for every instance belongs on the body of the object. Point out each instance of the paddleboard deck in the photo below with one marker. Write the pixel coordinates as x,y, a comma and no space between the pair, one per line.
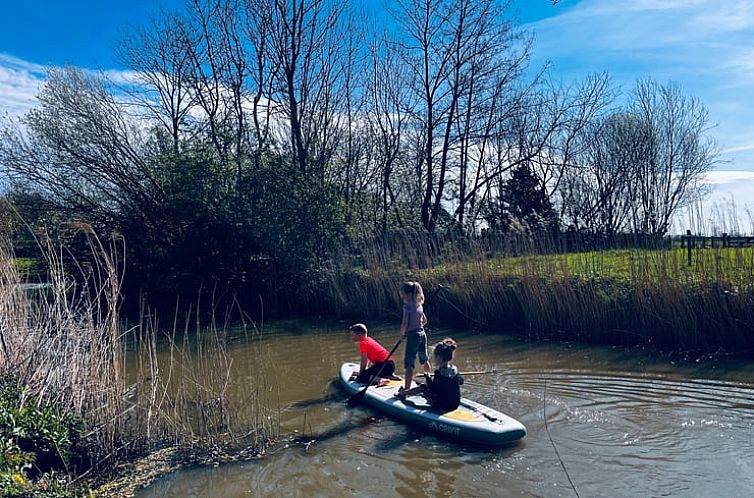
471,422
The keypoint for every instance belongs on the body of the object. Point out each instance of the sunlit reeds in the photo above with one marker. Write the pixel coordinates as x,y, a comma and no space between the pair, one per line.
640,292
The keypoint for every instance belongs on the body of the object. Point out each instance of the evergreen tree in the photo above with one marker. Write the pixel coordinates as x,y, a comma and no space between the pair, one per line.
526,201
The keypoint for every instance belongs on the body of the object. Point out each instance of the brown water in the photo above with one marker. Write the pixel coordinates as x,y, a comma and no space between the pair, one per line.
622,423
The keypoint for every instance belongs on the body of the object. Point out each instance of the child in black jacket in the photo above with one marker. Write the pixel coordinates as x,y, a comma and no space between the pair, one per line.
443,390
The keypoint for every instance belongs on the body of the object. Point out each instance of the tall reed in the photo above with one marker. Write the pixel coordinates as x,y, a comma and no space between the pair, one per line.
137,388
642,293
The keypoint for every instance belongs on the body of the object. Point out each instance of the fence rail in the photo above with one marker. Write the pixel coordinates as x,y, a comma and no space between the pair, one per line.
420,249
723,240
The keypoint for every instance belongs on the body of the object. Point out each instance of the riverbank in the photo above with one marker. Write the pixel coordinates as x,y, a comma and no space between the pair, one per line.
624,297
134,474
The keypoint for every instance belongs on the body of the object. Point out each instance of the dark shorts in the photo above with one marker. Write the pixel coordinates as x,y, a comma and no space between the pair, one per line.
416,345
385,373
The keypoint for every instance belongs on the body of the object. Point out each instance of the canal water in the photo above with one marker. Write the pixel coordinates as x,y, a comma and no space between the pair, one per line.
601,421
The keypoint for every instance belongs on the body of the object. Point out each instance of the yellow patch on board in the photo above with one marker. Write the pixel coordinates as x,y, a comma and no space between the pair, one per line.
462,414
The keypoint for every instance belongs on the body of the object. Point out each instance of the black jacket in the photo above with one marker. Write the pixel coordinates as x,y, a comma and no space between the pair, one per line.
444,389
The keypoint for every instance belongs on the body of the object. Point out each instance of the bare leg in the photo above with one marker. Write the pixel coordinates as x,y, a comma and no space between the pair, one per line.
409,377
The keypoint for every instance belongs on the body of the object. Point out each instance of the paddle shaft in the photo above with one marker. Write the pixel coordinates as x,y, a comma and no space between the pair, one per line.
480,372
359,396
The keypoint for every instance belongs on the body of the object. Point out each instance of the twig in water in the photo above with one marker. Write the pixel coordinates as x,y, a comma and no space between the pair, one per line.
544,410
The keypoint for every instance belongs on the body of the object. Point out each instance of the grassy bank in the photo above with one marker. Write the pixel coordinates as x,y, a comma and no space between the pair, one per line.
84,395
630,296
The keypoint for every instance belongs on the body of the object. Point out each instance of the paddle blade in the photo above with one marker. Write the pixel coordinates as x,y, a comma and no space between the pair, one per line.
357,398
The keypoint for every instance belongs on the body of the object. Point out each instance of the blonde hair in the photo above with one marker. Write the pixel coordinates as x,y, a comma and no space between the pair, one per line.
445,348
413,290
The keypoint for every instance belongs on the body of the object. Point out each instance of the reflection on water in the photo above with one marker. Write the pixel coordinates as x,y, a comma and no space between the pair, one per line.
626,423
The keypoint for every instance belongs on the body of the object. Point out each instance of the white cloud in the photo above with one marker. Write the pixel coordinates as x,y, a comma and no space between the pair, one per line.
731,201
694,28
703,45
728,177
20,82
728,209
744,147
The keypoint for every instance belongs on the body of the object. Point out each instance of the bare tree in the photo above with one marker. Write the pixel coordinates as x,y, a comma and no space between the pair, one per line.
305,39
262,66
207,71
462,55
82,150
608,161
682,152
159,56
569,110
387,99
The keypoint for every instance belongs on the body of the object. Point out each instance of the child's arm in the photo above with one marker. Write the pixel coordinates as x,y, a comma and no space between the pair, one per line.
404,324
363,365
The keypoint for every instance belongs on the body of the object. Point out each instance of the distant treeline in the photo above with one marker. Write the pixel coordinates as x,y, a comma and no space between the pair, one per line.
252,140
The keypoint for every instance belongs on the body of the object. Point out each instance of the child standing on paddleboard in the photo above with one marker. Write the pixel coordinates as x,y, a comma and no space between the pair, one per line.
375,359
443,391
412,329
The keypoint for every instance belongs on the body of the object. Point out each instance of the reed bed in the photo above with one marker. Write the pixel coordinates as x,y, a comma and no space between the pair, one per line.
646,296
136,388
185,387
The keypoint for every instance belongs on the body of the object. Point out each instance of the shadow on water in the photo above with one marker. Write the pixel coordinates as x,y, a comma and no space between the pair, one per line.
332,396
343,428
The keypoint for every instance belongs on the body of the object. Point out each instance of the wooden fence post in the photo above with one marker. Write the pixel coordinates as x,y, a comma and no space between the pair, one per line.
689,242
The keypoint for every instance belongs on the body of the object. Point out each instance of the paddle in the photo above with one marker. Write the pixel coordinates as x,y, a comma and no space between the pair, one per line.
480,372
359,396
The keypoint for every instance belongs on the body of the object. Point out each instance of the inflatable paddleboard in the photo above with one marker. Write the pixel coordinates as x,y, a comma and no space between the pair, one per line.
471,422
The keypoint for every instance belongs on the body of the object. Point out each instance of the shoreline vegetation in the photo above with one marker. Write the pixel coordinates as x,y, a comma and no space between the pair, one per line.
637,296
86,398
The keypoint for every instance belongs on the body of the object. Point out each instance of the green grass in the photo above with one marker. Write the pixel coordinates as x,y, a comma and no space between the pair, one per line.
26,267
732,265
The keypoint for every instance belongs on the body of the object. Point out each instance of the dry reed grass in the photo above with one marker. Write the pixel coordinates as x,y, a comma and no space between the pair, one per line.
635,296
138,389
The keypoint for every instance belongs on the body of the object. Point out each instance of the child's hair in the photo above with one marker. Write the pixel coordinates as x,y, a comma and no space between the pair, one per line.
414,290
358,328
444,349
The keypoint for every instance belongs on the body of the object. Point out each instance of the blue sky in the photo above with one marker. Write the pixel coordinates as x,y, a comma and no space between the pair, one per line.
707,46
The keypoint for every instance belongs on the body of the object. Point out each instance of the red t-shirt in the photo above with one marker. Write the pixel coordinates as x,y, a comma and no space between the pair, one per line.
374,350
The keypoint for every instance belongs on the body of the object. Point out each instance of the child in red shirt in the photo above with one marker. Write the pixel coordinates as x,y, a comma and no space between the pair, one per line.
373,355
